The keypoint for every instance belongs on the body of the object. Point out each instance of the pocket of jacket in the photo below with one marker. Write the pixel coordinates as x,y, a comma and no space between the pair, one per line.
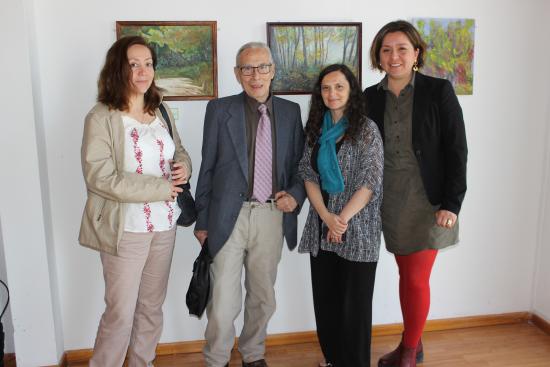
96,205
100,213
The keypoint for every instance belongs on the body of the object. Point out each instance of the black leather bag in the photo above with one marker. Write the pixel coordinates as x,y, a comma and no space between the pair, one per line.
185,200
199,287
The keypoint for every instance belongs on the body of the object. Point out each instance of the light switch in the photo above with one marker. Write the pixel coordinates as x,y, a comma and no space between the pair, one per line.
175,112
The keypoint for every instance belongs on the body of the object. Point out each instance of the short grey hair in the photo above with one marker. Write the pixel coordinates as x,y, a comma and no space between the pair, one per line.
248,45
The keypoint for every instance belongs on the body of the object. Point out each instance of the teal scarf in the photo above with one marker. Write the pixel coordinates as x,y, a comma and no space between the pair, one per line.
327,161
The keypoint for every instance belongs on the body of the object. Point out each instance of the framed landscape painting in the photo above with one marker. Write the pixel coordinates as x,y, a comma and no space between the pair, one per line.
450,53
186,56
301,50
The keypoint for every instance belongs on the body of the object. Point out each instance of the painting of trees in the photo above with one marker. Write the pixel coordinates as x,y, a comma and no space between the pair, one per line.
450,53
301,50
186,56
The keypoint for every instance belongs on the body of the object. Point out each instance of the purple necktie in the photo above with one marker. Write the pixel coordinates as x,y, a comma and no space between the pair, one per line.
262,161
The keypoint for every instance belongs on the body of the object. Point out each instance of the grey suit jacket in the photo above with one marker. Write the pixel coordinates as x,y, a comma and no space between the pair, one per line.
223,177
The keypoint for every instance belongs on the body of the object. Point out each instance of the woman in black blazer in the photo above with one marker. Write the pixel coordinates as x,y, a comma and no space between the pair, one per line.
425,154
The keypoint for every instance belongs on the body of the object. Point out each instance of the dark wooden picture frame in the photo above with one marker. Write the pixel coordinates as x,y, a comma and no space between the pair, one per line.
187,67
301,50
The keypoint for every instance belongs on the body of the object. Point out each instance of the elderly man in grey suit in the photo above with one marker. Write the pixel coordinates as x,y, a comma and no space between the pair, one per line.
248,198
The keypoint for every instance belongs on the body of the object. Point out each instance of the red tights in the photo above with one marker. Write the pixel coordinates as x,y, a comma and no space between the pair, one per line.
414,292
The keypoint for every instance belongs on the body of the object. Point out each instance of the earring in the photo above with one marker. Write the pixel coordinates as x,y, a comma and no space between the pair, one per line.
415,66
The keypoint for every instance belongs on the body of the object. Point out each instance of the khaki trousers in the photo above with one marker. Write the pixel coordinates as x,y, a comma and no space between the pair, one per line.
255,243
135,289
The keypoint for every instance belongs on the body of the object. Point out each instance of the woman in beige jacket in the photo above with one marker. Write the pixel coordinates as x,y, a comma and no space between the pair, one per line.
132,168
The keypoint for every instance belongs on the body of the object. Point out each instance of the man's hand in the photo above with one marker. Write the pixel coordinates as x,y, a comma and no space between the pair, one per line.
201,236
285,202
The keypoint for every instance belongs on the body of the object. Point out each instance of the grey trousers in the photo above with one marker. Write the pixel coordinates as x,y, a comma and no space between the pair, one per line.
135,289
255,243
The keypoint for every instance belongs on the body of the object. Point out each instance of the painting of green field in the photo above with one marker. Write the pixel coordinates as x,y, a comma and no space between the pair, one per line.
301,50
186,53
450,53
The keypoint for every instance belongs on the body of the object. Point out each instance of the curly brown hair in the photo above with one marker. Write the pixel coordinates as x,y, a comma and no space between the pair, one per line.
114,85
355,109
397,26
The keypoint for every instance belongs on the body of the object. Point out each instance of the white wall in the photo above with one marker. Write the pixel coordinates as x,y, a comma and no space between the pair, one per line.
541,285
27,249
490,271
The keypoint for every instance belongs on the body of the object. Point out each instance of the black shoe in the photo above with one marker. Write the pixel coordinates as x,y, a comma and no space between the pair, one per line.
258,363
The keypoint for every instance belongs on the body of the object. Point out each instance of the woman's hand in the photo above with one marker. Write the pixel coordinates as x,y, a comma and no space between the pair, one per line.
333,237
175,190
179,173
445,218
335,223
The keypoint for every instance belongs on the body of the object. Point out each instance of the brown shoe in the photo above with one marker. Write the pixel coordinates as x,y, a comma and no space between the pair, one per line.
391,359
258,363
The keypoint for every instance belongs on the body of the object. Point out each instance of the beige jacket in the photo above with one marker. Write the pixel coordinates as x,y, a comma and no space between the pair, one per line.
109,187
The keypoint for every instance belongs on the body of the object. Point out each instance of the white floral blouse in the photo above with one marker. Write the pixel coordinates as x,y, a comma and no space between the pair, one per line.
148,150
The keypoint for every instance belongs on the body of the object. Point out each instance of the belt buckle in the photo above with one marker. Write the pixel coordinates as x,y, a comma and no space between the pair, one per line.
270,201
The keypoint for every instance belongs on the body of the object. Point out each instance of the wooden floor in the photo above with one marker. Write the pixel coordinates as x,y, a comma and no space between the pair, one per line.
517,345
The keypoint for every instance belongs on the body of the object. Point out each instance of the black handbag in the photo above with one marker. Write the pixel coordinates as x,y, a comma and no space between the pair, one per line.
185,200
186,203
199,287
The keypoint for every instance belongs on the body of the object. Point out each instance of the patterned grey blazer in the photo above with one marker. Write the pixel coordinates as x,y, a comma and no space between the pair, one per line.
362,164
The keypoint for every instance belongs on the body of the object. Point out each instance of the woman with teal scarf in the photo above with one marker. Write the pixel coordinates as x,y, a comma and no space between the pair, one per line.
342,170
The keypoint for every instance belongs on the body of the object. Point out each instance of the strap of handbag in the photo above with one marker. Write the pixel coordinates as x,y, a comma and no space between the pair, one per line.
166,118
2,335
7,301
187,204
169,124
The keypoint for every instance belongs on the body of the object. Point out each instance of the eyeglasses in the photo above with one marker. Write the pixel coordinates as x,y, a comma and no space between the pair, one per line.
248,70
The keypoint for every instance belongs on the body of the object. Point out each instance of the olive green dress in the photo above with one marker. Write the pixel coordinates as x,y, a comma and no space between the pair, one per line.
408,218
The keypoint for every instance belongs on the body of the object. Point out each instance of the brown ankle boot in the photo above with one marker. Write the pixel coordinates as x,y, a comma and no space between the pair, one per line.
408,357
391,359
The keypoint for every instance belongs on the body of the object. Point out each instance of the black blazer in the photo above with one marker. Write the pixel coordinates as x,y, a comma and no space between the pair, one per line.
438,138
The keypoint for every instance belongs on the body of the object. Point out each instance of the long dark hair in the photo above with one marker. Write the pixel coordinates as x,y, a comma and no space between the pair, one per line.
355,110
114,80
